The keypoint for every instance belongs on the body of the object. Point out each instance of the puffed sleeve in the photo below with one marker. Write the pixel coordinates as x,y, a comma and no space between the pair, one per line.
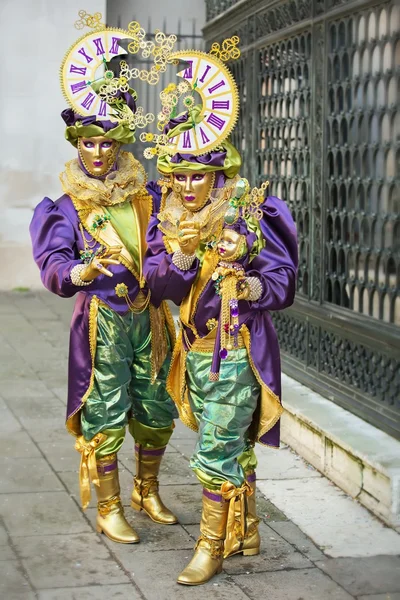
276,265
165,280
54,248
155,191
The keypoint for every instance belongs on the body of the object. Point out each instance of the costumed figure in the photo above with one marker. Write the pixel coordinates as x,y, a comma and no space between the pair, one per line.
228,256
91,242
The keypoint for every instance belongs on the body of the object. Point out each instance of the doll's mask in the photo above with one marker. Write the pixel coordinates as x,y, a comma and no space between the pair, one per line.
193,188
232,245
98,154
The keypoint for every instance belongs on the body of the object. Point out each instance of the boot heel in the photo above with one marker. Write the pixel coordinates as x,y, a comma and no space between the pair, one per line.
99,529
136,506
251,552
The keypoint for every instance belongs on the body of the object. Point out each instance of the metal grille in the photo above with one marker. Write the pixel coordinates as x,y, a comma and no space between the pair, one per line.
318,82
283,155
362,225
213,9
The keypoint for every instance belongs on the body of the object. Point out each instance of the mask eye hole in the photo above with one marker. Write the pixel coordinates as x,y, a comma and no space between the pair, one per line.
88,144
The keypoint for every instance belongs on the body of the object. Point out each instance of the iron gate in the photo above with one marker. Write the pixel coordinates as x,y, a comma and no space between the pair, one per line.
319,90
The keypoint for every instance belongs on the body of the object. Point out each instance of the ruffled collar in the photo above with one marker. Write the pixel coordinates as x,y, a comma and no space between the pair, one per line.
209,217
118,186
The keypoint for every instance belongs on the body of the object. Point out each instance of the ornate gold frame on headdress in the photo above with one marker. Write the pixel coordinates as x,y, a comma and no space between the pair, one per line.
210,123
92,51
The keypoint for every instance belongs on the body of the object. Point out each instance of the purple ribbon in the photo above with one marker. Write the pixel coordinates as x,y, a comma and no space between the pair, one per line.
103,469
150,451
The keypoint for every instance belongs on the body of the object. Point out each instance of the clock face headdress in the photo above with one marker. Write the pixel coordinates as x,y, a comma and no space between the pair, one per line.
197,139
101,100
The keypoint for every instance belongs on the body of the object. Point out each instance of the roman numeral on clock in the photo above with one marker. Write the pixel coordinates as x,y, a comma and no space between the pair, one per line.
99,46
78,87
204,137
103,109
220,104
216,121
88,101
88,58
79,70
186,139
202,78
212,89
114,45
188,74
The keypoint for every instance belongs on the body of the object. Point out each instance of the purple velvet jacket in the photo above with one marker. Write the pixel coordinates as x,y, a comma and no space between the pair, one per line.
275,266
56,241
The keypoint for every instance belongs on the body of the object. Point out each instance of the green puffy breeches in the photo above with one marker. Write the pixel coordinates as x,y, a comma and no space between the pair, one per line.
224,411
122,390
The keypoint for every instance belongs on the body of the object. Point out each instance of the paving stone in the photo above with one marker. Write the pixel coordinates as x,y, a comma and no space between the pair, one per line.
61,455
388,596
8,423
35,352
7,553
53,332
42,414
364,575
292,534
307,584
3,535
184,501
42,513
282,464
153,536
28,475
267,511
275,554
13,584
32,307
184,446
17,445
57,435
94,592
182,432
24,387
155,573
60,391
7,305
78,559
336,523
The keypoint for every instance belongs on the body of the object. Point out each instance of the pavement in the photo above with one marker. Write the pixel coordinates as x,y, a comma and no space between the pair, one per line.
317,543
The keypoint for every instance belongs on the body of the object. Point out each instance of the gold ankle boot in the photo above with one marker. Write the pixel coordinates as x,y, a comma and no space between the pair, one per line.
249,544
208,556
110,517
145,494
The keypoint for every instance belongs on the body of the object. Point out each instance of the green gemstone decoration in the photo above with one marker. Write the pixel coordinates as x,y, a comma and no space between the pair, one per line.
86,256
230,215
100,221
240,189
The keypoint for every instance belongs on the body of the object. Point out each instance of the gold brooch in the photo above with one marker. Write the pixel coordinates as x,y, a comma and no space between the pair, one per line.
211,324
121,289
